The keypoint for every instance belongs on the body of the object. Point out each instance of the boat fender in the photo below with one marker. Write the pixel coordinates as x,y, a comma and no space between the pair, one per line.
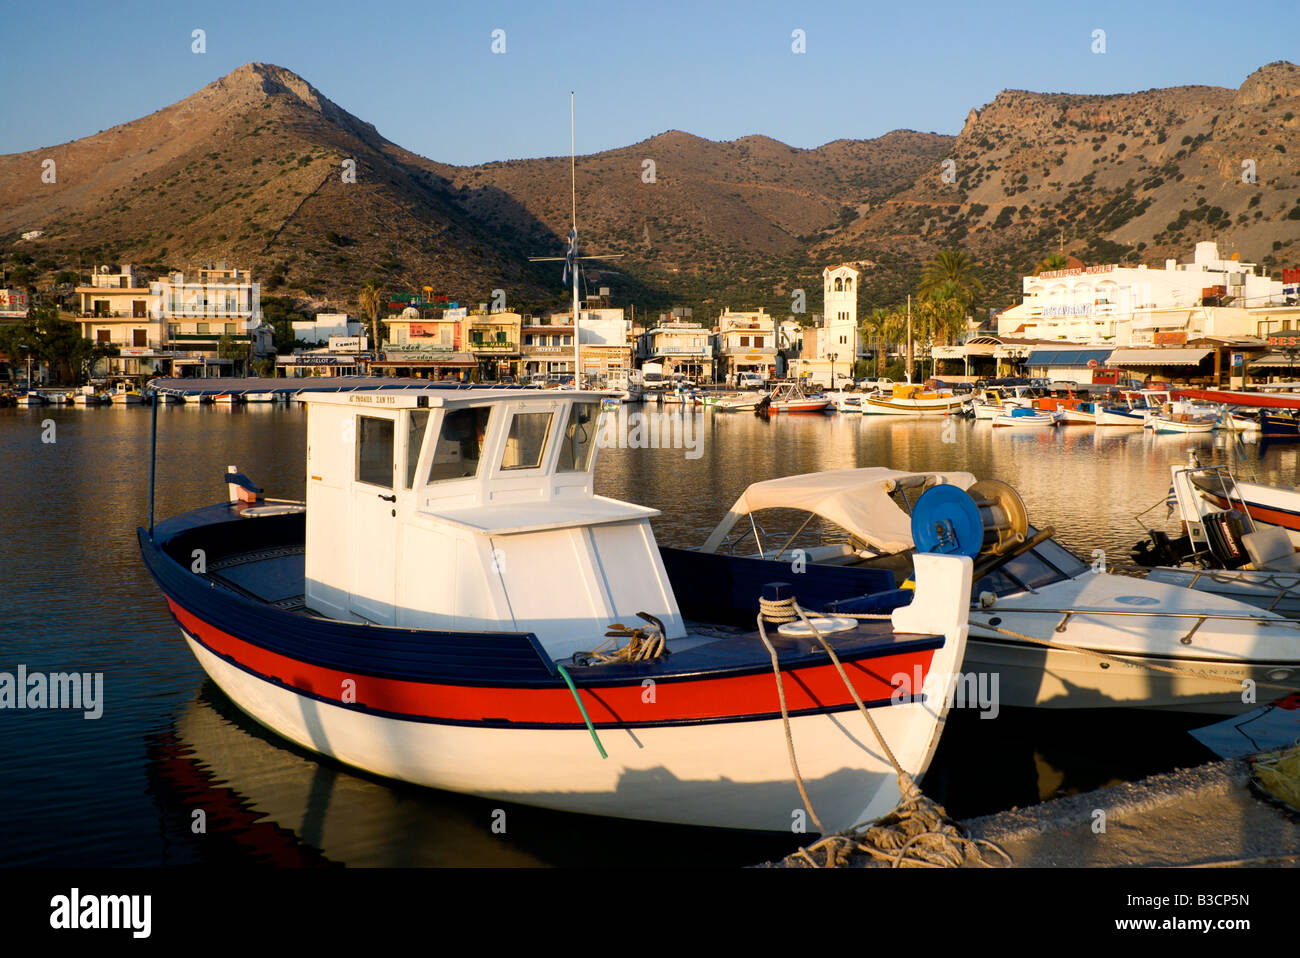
988,600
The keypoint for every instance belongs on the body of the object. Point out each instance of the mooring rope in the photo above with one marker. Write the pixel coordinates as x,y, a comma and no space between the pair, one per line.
918,832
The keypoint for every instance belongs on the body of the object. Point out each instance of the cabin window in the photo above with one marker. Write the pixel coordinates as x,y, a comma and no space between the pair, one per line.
527,440
579,438
375,451
416,420
460,443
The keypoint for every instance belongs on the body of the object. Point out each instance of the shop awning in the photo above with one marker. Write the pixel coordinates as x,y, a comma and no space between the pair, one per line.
1158,357
1067,357
1274,361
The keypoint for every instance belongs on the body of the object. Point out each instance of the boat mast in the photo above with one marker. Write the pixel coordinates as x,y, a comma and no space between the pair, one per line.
909,337
573,191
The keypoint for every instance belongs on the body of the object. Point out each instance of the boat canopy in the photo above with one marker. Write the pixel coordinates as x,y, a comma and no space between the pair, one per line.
857,500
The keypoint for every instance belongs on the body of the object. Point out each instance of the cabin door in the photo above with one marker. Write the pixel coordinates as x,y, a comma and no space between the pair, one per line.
373,533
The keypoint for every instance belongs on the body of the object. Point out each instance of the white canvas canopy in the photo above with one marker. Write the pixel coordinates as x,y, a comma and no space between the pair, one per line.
857,500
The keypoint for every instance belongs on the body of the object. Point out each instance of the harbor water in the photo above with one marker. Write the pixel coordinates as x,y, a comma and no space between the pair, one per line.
171,773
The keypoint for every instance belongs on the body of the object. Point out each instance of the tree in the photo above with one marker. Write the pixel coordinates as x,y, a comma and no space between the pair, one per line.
45,338
230,348
1050,262
883,328
371,299
952,272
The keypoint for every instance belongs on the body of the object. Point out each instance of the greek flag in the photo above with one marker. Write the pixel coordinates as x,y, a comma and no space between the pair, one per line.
570,255
1171,502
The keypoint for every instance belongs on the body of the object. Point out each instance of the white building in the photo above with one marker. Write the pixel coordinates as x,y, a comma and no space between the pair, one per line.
839,333
682,347
1137,305
324,326
747,341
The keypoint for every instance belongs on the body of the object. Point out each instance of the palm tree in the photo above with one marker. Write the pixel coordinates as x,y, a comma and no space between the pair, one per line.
371,299
883,328
952,271
1050,262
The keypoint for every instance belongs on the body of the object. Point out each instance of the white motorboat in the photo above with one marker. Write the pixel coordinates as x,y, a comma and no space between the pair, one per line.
1182,423
914,399
317,620
1020,416
1057,631
739,402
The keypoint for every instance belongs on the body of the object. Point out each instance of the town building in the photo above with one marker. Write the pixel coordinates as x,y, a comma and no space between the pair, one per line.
216,302
493,338
1208,321
118,308
839,333
326,325
680,345
426,344
747,343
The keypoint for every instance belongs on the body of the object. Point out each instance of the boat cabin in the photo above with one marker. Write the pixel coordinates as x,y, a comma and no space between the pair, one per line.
474,510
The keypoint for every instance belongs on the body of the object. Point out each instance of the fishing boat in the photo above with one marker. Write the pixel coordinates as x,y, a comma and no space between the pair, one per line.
1020,416
1183,423
1056,631
262,397
914,399
226,399
1120,415
441,610
789,397
86,396
124,395
30,399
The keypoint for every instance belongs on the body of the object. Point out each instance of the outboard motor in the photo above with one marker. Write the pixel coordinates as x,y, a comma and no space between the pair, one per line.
1223,533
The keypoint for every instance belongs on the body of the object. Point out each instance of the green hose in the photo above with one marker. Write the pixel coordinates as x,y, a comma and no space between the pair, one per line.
590,728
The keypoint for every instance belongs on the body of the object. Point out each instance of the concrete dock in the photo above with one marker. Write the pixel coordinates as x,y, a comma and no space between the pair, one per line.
1206,816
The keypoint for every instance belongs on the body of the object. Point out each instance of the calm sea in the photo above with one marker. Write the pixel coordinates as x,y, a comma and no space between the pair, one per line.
124,789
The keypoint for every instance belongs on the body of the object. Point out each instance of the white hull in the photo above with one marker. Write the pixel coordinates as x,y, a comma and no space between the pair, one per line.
1162,425
1037,420
725,774
911,407
30,401
120,400
1109,418
1242,642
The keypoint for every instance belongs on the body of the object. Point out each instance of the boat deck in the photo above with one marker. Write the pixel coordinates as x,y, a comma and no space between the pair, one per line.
274,575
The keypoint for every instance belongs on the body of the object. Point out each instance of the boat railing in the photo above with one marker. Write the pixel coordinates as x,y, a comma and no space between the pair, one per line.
1233,577
1200,617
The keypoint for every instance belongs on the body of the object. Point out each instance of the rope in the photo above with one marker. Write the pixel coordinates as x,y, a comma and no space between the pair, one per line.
918,832
785,716
581,708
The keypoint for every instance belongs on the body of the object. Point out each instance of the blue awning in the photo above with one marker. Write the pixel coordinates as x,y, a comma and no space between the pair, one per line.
1067,357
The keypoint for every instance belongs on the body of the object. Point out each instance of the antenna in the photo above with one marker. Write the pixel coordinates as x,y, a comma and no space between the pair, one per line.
572,259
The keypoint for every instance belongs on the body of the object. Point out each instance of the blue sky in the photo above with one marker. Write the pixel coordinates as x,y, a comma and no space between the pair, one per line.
425,75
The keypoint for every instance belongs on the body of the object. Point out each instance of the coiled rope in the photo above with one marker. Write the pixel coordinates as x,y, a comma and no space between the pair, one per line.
918,833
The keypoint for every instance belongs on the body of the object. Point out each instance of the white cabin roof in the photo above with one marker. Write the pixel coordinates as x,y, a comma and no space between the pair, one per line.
858,500
437,398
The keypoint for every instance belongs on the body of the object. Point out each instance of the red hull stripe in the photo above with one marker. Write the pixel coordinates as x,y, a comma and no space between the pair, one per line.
1272,517
744,696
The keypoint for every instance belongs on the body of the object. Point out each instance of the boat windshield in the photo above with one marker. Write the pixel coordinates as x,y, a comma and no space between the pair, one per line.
1046,563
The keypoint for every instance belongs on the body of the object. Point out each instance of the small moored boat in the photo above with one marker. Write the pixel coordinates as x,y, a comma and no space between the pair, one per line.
433,613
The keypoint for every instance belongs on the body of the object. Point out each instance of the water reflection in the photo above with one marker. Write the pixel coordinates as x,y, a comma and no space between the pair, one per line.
78,597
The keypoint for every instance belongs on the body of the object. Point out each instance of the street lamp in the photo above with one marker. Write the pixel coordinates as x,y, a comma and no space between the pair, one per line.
833,357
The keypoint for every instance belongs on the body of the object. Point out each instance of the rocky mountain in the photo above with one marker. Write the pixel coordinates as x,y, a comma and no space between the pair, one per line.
251,170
